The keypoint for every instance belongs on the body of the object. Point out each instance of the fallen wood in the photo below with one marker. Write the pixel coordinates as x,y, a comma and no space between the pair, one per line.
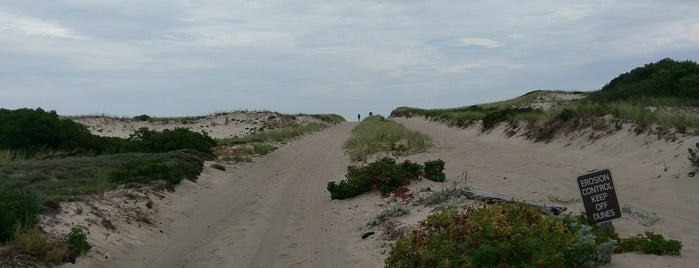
494,199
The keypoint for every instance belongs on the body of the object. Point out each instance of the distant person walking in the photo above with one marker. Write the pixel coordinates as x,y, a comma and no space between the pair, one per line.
359,117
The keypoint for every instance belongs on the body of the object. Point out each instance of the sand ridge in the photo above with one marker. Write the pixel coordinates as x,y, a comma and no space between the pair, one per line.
276,212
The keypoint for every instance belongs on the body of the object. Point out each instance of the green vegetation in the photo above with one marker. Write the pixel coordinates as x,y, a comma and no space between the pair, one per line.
384,174
515,235
78,241
172,170
375,134
47,250
54,180
665,79
17,209
665,93
650,243
434,170
28,133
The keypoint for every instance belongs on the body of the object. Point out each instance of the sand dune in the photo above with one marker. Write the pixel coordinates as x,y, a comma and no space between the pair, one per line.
276,212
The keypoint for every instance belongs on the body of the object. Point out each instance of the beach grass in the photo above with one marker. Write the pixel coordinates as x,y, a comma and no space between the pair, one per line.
376,134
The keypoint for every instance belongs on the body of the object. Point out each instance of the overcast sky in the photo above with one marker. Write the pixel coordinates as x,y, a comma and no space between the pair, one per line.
176,57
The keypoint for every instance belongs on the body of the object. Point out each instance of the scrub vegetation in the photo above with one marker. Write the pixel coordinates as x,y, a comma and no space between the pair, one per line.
46,159
385,175
516,235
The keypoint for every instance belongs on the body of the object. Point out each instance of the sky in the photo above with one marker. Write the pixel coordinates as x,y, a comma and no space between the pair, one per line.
181,58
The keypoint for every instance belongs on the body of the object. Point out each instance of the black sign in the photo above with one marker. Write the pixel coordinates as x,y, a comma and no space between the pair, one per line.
599,196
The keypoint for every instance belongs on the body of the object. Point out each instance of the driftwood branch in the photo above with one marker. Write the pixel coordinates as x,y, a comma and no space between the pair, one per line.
494,199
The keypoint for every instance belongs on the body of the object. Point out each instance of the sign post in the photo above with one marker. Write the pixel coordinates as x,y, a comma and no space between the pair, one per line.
599,196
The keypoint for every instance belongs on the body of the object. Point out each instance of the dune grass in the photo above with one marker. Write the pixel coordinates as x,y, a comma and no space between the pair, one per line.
278,135
242,149
376,135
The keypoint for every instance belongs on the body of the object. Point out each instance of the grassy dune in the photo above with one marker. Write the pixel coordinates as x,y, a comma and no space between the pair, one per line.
376,134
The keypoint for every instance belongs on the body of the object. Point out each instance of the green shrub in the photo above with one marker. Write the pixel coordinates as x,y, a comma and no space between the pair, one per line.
384,174
27,132
172,171
17,209
143,117
434,170
78,241
650,243
149,141
512,235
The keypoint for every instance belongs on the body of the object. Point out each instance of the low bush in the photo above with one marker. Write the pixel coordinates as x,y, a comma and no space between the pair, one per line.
511,235
78,241
172,171
650,243
17,209
384,174
145,140
434,170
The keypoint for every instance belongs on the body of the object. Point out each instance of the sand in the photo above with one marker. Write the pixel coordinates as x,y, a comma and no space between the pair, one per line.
276,212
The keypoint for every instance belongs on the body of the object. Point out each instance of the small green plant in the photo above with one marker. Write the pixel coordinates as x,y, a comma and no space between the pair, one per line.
434,170
384,174
650,243
78,241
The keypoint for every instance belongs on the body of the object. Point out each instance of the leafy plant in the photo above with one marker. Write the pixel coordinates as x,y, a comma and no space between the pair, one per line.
78,241
434,170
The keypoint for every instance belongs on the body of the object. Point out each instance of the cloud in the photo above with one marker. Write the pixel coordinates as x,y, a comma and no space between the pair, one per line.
480,42
33,26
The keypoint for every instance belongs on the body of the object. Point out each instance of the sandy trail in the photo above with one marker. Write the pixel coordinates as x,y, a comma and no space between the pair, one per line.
277,212
274,213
